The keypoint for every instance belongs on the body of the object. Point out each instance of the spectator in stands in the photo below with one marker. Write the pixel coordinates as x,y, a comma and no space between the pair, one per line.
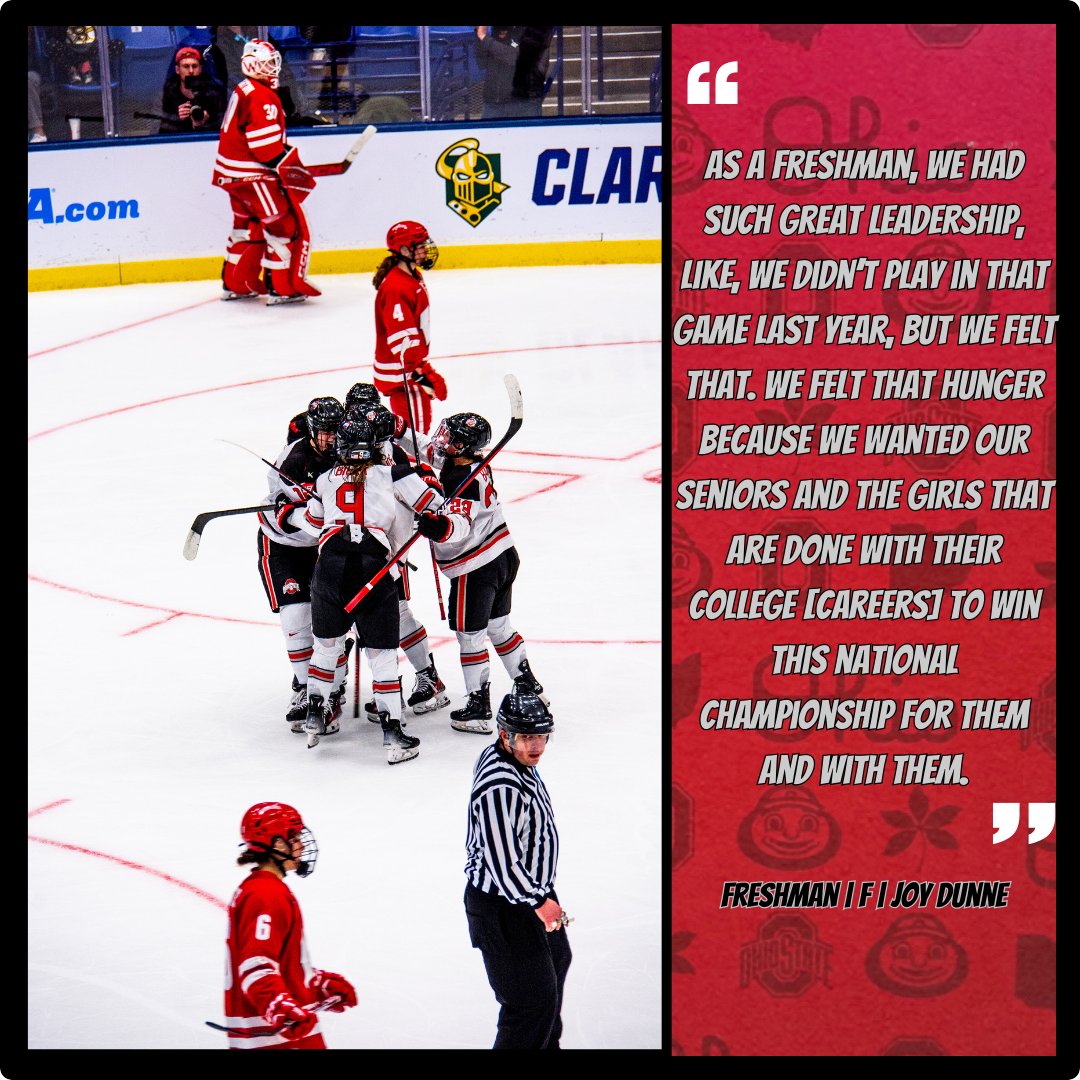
191,100
497,54
530,72
515,62
74,49
35,120
222,61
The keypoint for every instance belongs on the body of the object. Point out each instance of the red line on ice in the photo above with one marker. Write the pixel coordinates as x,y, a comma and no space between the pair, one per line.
132,866
47,806
117,329
306,374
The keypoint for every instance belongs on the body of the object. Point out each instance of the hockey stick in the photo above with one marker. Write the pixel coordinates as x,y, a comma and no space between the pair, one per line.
336,168
191,544
317,1006
517,413
416,457
284,475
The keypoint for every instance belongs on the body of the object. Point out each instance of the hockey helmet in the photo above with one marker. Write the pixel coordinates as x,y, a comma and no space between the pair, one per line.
356,440
382,420
264,822
523,713
260,60
324,414
362,393
462,433
410,235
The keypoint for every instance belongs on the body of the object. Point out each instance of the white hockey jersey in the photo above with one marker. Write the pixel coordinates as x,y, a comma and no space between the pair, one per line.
301,463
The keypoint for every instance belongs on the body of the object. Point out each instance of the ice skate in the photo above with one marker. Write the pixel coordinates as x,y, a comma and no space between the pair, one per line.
229,294
429,692
371,710
399,746
337,700
272,299
298,708
527,681
320,720
475,714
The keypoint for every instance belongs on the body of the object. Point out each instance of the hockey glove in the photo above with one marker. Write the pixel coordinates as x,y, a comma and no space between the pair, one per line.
427,474
399,426
430,381
435,527
294,176
283,507
292,1021
325,984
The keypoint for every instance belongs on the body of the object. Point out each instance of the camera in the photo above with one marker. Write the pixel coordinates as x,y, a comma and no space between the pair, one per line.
198,111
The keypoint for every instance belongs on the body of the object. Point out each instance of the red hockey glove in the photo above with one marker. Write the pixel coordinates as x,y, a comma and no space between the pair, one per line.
427,474
293,1021
435,527
294,176
399,426
325,984
433,384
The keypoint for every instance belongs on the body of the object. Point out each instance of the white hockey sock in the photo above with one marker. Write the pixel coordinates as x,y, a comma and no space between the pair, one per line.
509,644
296,628
475,664
385,683
414,642
323,665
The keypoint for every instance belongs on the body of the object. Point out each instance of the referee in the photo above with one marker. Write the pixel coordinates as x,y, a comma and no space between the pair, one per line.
512,848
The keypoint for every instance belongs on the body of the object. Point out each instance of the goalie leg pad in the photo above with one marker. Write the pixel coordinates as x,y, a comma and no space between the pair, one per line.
300,249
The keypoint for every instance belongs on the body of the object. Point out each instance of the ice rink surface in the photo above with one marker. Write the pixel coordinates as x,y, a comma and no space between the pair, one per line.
158,687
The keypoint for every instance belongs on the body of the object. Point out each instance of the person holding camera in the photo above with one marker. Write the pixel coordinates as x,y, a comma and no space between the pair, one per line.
191,100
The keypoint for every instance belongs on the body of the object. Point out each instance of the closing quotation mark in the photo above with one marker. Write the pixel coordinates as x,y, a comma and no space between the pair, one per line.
1007,820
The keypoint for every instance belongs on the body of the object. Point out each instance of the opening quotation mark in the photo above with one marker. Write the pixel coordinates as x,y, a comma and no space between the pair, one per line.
1007,820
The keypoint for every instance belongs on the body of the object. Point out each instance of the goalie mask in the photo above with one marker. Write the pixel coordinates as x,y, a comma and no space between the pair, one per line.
412,236
461,434
265,822
356,440
260,60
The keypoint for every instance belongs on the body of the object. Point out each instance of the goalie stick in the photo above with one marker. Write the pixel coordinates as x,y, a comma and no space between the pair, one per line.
191,544
517,412
336,168
317,1006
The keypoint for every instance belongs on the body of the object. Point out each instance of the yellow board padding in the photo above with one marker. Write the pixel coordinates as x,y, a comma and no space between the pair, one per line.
361,261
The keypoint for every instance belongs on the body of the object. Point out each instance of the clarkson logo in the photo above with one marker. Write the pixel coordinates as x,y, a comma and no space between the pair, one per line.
473,184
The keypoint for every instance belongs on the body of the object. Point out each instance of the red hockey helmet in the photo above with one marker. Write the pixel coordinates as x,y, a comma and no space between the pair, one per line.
263,823
411,235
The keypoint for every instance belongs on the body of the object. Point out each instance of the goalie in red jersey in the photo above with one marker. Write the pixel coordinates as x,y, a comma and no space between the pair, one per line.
270,243
402,326
270,985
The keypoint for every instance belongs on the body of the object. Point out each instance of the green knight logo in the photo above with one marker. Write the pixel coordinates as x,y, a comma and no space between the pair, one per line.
473,188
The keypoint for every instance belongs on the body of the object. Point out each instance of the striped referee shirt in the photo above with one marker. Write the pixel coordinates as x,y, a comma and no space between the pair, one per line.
512,846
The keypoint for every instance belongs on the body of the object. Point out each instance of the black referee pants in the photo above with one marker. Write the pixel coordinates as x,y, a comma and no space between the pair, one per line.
526,967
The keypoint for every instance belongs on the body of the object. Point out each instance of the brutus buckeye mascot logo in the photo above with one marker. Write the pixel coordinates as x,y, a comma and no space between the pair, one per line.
789,830
913,1046
290,587
917,957
787,958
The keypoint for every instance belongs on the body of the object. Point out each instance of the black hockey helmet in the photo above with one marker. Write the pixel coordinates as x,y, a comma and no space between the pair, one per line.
462,433
355,441
324,414
523,713
362,393
378,415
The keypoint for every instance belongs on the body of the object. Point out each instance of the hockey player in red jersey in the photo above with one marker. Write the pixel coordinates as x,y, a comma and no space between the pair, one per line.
402,333
266,182
270,984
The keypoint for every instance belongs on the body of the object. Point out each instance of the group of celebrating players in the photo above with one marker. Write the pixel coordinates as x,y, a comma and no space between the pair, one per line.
356,478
